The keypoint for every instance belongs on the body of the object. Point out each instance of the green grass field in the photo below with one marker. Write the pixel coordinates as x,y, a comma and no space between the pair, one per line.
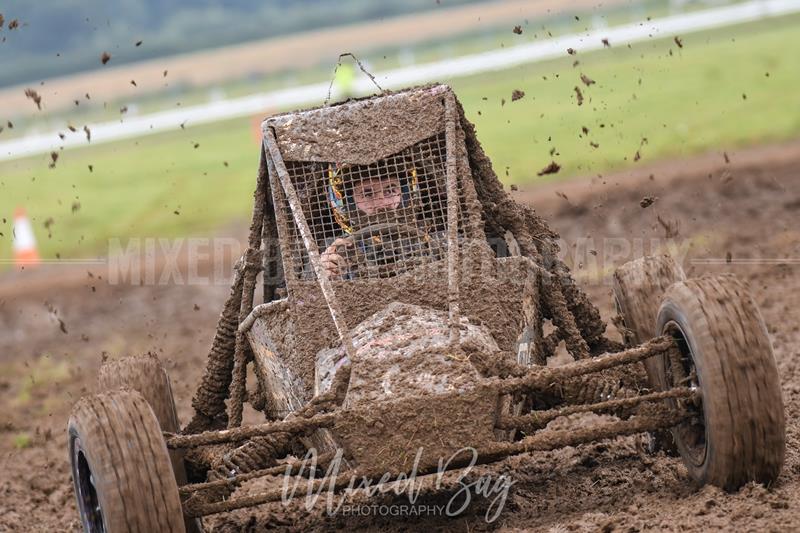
379,59
723,89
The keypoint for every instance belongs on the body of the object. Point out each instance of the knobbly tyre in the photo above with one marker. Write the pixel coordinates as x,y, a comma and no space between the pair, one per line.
410,307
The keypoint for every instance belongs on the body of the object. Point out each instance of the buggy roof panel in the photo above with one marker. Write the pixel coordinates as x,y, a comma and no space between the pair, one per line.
361,131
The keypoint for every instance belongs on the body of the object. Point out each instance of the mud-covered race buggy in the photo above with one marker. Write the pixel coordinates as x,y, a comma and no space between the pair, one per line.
431,334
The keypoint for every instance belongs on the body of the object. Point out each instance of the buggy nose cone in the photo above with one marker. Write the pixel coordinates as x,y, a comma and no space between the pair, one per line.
412,397
404,350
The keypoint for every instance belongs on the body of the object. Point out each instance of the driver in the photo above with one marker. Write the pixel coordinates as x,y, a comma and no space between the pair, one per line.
359,198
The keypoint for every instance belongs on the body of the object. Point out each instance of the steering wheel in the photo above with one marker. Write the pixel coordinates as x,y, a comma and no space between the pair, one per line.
389,248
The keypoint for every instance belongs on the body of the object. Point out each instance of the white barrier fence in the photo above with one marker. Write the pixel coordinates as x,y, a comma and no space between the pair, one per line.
490,61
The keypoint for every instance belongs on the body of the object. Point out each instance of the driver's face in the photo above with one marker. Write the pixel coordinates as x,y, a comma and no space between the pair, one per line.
373,194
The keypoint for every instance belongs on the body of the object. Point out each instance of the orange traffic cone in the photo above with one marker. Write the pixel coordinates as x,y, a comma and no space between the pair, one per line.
25,252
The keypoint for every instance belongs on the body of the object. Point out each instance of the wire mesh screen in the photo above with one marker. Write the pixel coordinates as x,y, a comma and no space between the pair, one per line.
377,220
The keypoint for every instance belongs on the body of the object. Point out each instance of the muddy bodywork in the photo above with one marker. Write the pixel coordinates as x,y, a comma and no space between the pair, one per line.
404,359
506,278
489,221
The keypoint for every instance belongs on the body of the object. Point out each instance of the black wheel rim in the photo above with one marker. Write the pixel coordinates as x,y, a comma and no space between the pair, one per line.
691,435
88,503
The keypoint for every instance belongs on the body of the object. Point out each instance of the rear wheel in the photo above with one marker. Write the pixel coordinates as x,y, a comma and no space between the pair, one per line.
738,432
121,471
639,288
146,375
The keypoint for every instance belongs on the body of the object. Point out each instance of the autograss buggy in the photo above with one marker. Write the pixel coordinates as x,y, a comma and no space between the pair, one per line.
434,335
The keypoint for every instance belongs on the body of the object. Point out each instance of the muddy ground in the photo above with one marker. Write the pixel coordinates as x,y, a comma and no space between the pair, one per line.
57,324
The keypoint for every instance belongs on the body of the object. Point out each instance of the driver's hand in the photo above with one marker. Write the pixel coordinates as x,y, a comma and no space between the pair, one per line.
332,262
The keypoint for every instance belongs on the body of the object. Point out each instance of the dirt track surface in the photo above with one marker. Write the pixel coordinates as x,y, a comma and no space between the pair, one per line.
744,210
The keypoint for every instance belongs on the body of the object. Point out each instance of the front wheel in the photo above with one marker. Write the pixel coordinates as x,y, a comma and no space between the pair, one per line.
121,471
738,432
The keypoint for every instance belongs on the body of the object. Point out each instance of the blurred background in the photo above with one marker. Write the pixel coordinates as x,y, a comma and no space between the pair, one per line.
140,118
